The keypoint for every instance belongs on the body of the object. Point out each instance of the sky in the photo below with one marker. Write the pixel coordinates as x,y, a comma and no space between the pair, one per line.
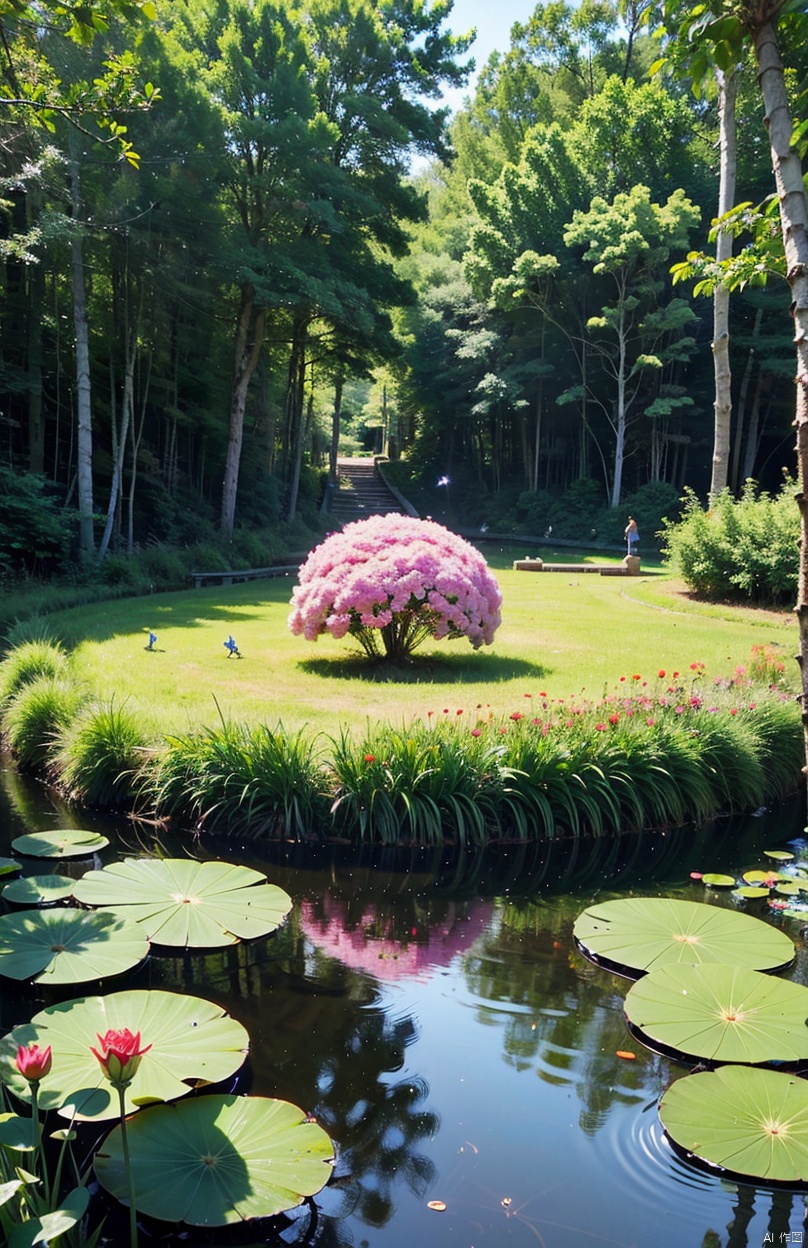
493,20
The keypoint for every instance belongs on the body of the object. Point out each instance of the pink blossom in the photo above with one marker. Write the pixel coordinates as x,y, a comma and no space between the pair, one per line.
366,577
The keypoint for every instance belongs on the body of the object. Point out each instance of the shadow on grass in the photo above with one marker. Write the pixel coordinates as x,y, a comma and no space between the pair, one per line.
429,669
231,605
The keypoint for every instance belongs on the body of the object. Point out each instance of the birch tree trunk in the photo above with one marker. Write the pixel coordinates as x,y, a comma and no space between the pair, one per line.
249,340
727,94
83,392
787,170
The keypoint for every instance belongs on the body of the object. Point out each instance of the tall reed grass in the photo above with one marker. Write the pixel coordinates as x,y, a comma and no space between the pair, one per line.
99,758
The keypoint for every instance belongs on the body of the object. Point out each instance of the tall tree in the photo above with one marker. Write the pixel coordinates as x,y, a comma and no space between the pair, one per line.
630,240
718,33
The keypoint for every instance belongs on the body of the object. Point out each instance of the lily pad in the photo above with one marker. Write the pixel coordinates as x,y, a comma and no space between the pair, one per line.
216,1160
765,878
193,1042
778,855
751,1122
8,866
714,880
751,892
68,946
721,1013
38,890
184,903
638,934
62,843
788,888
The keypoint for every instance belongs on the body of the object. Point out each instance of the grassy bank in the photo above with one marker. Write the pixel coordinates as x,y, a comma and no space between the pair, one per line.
605,704
564,634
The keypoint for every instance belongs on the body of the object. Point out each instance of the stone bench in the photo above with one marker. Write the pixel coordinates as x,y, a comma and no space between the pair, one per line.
629,567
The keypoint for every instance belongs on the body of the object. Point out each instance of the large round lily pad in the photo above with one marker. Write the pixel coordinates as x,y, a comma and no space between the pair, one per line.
38,890
192,1042
68,946
751,1122
637,934
721,1013
61,843
184,903
214,1160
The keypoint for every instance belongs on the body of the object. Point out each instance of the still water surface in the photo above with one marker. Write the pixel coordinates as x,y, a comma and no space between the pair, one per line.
438,1021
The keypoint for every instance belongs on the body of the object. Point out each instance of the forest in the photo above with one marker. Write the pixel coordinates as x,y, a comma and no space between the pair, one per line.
239,237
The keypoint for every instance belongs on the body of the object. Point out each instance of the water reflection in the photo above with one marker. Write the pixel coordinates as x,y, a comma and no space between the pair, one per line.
432,1012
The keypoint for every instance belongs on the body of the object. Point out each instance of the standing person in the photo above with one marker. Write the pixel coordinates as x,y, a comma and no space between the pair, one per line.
632,536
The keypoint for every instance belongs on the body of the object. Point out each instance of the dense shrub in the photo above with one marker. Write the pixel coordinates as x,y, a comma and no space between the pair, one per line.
35,530
392,581
744,549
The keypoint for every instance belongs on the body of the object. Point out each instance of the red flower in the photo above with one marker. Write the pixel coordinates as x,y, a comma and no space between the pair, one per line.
475,732
661,673
370,758
600,727
120,1055
733,710
459,711
614,719
517,715
636,676
33,1063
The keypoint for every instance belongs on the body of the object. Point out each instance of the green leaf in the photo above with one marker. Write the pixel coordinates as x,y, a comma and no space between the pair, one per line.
188,904
8,866
216,1160
38,890
713,880
778,855
16,1132
68,946
750,1122
9,1190
721,1013
193,1041
642,933
62,843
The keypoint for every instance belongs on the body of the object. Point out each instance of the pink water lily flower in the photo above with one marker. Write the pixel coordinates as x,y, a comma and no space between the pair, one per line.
33,1062
120,1055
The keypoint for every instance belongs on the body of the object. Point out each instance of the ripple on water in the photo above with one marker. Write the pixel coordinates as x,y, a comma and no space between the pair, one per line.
683,1199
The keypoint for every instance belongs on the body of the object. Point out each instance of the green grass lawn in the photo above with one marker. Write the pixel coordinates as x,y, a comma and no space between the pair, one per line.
562,633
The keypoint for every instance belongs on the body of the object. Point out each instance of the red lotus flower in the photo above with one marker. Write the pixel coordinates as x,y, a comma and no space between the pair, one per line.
33,1063
120,1055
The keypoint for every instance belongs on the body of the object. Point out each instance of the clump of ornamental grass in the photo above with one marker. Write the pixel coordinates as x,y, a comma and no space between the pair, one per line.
98,760
254,781
33,718
392,582
30,661
424,785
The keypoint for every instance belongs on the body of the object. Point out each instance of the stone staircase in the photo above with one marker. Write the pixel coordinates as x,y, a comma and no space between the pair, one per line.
361,492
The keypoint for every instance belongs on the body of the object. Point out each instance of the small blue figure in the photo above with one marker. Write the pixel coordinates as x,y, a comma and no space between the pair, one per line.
152,641
231,648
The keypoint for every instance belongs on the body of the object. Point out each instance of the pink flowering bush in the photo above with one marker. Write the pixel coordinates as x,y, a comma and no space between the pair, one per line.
393,581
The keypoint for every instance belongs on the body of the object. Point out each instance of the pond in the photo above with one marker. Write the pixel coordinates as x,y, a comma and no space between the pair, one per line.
437,1019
